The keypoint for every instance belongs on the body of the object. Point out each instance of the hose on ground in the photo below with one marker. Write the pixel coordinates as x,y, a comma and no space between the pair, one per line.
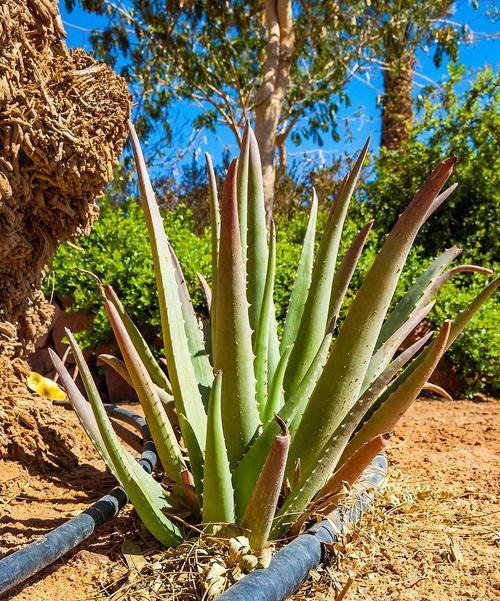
20,565
291,566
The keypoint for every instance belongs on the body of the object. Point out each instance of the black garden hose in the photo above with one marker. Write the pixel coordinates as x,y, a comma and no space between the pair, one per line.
291,566
18,566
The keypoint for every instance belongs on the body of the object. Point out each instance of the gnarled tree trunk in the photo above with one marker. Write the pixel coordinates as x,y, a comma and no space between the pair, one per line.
62,126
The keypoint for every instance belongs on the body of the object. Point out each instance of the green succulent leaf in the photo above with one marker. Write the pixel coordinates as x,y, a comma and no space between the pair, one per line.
302,281
315,316
233,349
218,496
263,328
181,371
142,347
161,429
340,383
148,497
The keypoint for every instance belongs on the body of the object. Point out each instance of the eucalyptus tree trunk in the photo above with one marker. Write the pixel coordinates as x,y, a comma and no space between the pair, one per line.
272,93
397,105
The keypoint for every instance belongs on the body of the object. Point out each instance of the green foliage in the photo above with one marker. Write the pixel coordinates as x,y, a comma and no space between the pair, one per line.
476,354
118,252
451,121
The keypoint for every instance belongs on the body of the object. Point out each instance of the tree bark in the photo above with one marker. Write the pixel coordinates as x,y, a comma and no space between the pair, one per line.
63,123
271,96
397,103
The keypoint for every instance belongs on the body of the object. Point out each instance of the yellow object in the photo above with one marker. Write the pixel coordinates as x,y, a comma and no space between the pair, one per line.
45,387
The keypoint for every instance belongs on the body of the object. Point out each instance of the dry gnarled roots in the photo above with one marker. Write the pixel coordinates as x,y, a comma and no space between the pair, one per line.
62,126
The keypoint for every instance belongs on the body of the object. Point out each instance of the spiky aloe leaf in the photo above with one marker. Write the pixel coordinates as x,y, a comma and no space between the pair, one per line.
328,497
263,328
302,281
391,410
384,354
315,316
196,458
261,508
457,326
343,375
120,368
194,334
257,251
344,273
207,292
423,289
437,390
215,236
218,497
180,367
161,429
83,411
380,383
242,189
247,471
142,347
275,399
148,497
233,337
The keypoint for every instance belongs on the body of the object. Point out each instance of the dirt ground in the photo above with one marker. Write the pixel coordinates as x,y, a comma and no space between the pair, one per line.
434,534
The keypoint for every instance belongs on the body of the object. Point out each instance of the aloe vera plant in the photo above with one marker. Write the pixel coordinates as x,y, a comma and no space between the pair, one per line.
249,428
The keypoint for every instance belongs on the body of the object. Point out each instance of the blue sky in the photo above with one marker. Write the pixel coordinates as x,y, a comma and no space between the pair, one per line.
363,115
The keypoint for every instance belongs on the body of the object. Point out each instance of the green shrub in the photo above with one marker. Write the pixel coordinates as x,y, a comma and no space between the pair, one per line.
118,252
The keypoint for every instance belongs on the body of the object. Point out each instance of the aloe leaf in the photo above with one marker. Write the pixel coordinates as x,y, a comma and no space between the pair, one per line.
218,497
457,326
327,499
302,281
180,367
147,357
257,251
83,411
340,383
386,416
315,316
196,458
384,354
354,466
437,390
233,337
207,292
440,199
345,272
161,429
248,469
380,383
215,236
422,290
196,343
119,367
263,328
148,497
275,399
261,508
242,189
